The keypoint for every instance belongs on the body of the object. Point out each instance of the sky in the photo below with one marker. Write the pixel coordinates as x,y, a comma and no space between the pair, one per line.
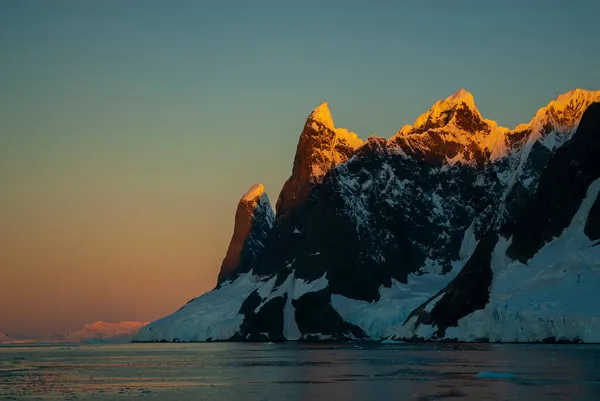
130,129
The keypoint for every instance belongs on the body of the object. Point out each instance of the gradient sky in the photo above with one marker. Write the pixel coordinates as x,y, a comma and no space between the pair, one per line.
130,129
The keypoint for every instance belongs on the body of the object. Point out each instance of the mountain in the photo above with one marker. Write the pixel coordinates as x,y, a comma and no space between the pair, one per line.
93,332
101,331
254,219
454,228
321,147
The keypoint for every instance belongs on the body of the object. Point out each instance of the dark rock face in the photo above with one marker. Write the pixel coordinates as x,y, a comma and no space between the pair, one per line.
379,217
468,292
314,314
469,121
253,221
432,148
563,185
264,325
516,138
592,225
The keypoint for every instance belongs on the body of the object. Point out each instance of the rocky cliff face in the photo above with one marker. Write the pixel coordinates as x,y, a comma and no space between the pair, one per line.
559,211
563,186
415,236
320,148
254,218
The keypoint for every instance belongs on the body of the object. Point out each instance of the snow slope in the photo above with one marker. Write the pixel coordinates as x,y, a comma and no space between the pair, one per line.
213,315
385,318
554,296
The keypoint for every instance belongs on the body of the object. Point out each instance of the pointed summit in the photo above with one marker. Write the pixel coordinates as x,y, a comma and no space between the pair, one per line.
441,112
322,115
553,124
321,146
563,113
253,220
451,130
461,95
254,193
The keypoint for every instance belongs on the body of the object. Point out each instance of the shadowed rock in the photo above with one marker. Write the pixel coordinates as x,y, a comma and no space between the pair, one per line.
253,220
562,187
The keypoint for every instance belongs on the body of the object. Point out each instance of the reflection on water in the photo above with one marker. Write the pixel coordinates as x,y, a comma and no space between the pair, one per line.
353,371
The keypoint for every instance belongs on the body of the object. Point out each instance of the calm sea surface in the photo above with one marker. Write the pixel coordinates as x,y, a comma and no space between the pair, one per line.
222,371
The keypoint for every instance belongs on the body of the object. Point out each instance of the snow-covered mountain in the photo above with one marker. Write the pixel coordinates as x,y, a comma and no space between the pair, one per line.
454,228
102,331
93,332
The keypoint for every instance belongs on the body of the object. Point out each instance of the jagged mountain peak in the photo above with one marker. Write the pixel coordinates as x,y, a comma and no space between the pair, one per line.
577,94
564,112
552,124
456,107
254,193
451,131
462,95
322,114
458,97
254,218
321,146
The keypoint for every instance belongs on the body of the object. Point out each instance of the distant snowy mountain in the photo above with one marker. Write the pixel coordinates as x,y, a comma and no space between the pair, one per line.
455,228
101,331
94,332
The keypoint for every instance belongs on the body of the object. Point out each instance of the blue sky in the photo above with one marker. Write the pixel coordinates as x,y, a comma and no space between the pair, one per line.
129,129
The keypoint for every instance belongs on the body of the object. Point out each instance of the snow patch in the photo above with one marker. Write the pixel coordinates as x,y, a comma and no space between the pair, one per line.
384,319
290,328
469,242
213,315
319,336
434,301
265,289
293,288
302,287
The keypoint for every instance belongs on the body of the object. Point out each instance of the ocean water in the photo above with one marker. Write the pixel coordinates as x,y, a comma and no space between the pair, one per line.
352,371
